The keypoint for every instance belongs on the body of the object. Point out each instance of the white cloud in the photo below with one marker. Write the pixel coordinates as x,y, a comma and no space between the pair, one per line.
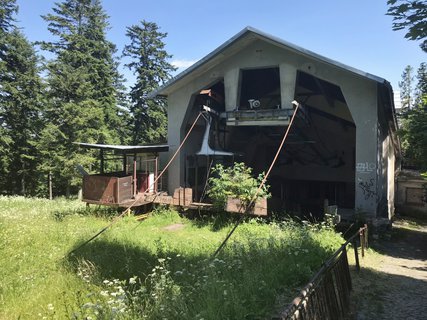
182,64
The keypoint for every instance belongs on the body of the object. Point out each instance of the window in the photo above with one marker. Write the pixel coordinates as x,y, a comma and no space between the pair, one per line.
262,85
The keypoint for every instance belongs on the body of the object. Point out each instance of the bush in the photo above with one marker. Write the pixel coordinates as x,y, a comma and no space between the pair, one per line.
235,182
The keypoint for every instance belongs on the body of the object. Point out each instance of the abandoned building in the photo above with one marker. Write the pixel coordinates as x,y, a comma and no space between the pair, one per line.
342,148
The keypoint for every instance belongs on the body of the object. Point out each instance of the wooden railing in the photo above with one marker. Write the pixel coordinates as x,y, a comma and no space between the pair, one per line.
109,190
327,295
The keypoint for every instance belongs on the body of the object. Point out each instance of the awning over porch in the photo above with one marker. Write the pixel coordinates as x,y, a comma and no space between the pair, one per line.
122,149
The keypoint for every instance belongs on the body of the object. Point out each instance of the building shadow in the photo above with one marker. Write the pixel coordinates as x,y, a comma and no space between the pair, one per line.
379,295
402,243
113,260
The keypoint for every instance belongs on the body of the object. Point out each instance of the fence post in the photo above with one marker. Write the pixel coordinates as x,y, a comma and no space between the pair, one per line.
327,296
355,254
366,236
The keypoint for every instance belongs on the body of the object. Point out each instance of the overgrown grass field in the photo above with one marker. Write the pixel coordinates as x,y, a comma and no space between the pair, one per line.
158,268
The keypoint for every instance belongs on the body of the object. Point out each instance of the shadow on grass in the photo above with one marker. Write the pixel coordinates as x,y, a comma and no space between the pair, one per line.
96,211
271,261
215,220
245,281
117,261
379,295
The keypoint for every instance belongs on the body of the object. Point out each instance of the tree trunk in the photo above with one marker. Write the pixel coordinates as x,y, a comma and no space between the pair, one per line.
23,179
50,185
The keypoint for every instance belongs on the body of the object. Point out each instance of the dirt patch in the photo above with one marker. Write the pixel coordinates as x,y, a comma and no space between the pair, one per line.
174,227
393,281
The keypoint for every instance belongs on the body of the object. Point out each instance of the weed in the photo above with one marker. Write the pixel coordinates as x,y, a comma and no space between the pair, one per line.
141,270
235,182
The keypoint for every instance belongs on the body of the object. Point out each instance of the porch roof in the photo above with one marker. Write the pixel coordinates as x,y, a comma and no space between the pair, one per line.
126,149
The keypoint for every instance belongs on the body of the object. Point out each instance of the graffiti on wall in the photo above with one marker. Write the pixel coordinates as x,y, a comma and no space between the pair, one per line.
368,188
365,167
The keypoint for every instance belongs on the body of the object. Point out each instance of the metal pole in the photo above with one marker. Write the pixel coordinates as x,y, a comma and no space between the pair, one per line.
134,176
50,185
366,236
102,161
156,168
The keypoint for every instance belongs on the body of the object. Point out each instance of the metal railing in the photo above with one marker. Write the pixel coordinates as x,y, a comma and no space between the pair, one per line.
327,295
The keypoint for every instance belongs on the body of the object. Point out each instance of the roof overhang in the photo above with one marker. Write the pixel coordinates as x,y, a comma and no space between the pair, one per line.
238,42
249,35
126,149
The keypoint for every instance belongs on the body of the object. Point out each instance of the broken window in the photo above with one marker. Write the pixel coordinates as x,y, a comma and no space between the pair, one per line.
212,97
260,89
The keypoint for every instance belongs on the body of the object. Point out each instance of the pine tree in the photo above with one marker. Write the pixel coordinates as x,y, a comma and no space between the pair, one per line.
83,96
7,11
149,62
414,125
421,88
20,106
406,89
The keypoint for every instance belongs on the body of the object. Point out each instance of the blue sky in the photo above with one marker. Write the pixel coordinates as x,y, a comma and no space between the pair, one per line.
357,33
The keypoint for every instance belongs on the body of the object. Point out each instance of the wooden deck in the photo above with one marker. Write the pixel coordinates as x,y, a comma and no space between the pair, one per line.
182,198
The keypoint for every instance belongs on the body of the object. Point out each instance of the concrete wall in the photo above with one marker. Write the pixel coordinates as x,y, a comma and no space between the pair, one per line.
391,160
360,95
411,197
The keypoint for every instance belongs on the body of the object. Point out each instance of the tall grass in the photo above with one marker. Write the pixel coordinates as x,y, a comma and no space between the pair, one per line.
148,269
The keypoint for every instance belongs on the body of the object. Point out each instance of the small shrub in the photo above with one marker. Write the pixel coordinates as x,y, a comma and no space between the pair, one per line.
235,182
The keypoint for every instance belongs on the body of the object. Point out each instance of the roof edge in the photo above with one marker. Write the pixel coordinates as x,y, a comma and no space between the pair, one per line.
278,41
199,63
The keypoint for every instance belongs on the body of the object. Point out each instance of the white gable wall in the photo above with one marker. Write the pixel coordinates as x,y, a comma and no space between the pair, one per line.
360,94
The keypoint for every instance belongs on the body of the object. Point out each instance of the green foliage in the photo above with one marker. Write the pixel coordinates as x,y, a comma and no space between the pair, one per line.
8,9
235,182
421,87
414,136
21,106
149,62
407,88
413,130
82,100
412,16
140,270
84,90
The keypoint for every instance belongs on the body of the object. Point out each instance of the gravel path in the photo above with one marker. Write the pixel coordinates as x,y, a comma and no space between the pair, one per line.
393,282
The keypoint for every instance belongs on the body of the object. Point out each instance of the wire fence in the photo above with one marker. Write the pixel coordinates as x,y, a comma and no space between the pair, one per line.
327,295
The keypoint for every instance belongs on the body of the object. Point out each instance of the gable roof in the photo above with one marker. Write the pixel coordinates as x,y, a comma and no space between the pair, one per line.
241,39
